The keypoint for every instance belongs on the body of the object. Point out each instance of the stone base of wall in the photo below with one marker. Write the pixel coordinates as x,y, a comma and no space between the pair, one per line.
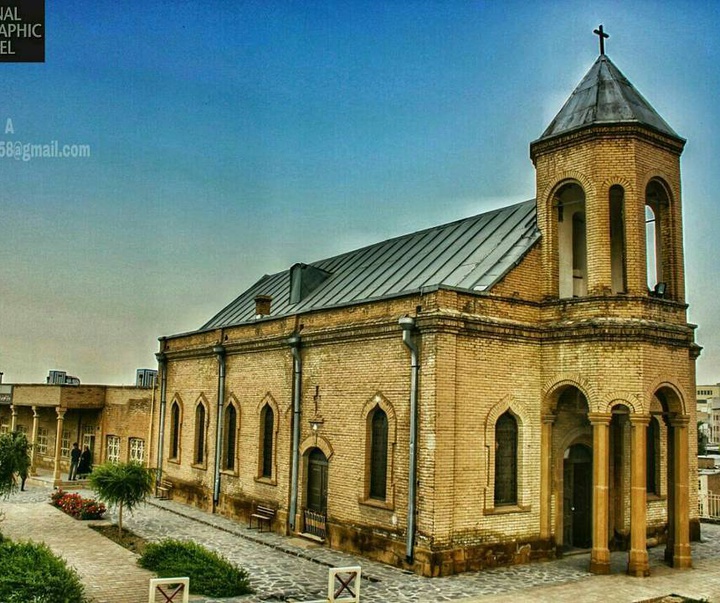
191,494
390,549
475,558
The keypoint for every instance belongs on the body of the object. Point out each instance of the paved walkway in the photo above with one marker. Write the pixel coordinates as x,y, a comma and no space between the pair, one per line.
292,569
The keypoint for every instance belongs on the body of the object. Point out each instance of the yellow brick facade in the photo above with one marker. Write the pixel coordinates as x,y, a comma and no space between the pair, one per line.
592,374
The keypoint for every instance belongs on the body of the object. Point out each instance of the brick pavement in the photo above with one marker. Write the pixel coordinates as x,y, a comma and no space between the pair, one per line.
108,571
291,569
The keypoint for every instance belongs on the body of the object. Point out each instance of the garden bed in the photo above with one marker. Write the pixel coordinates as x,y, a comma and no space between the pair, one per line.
76,506
127,539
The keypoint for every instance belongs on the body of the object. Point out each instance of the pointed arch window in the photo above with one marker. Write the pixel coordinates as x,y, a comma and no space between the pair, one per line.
617,239
652,452
199,456
571,242
506,445
267,429
378,454
658,240
174,430
230,435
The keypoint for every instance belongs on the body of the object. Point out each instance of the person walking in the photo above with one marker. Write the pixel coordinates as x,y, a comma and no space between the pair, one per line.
85,465
74,460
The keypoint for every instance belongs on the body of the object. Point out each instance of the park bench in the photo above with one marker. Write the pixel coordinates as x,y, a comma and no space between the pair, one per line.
162,490
263,516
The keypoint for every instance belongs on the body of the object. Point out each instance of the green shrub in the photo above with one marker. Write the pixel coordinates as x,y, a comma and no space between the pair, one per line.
32,574
210,574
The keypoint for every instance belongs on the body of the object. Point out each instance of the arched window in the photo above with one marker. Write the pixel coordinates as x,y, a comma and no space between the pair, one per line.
174,430
378,454
652,444
199,456
230,433
572,242
617,238
267,426
506,444
658,240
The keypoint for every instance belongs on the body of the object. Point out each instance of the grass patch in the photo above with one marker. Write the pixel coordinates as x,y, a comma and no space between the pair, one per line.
210,574
31,573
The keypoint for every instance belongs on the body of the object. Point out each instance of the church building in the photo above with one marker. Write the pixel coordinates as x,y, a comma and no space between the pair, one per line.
486,392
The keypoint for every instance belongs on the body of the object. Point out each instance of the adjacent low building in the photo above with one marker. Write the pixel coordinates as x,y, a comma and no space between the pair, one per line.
113,421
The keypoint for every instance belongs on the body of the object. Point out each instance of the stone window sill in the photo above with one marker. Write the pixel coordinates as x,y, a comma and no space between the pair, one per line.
506,509
375,503
266,480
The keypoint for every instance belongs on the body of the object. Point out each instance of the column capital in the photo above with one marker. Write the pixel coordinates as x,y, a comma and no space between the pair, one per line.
680,421
599,418
13,410
35,411
60,412
638,420
549,417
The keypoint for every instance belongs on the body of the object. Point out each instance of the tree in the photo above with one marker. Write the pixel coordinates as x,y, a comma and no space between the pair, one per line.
14,460
123,484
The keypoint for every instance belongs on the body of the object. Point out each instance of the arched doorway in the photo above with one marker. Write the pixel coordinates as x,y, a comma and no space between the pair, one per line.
577,497
315,513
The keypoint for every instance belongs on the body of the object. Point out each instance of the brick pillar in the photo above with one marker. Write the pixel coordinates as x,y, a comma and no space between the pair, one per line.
546,475
58,444
600,555
13,418
682,555
33,441
638,564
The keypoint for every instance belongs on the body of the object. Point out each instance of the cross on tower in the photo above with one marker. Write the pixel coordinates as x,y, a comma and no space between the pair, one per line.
602,35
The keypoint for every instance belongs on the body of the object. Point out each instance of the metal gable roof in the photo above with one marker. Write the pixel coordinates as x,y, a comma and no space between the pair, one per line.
472,254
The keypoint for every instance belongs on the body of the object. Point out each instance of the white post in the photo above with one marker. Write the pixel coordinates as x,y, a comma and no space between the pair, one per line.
169,588
344,584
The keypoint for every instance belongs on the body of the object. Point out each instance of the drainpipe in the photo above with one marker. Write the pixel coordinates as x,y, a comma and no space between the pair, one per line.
294,342
219,351
162,367
407,324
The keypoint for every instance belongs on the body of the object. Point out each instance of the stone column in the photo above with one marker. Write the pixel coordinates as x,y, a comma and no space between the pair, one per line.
600,555
638,564
58,444
546,475
682,555
13,418
33,441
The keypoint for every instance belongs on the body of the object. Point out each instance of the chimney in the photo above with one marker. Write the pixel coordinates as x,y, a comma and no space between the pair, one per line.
262,305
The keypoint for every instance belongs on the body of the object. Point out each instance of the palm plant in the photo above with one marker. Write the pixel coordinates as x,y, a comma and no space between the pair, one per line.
123,484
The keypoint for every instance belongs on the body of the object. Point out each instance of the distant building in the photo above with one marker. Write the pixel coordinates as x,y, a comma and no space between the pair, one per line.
61,378
146,378
708,411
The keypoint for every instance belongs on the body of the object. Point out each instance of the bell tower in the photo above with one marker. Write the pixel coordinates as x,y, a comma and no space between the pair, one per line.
608,193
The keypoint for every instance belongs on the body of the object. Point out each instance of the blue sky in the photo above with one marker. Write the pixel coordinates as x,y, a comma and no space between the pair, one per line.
232,139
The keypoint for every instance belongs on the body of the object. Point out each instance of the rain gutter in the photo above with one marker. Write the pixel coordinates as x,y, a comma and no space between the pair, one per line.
219,351
407,324
162,365
294,342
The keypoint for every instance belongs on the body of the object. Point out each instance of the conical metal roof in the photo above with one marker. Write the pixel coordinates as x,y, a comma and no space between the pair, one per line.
605,96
